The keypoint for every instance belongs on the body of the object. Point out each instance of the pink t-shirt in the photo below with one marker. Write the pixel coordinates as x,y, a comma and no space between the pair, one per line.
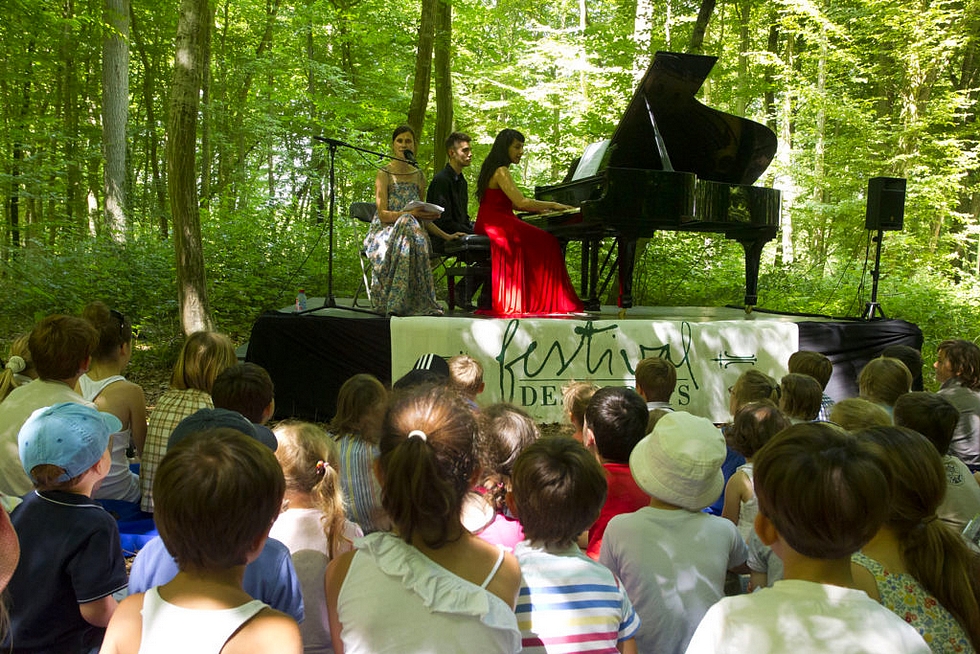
504,531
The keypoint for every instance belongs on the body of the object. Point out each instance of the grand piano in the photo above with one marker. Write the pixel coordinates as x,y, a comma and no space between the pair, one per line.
672,164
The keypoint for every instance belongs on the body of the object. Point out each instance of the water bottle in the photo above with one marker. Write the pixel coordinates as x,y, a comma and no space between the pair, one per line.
301,300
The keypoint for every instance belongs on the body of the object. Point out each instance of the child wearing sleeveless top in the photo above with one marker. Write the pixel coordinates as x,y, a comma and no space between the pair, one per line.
217,493
105,385
754,424
431,585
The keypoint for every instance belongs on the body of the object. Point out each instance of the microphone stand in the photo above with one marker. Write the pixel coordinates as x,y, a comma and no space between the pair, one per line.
333,144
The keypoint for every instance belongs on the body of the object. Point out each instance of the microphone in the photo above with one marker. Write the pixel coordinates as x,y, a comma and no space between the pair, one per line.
409,156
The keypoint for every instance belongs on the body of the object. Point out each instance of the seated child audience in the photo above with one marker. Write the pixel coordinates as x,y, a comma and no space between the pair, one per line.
61,595
911,357
751,386
248,389
958,373
818,366
615,421
656,379
428,369
203,356
466,376
800,398
765,568
935,418
61,347
217,494
917,566
271,577
19,369
884,380
754,424
356,428
821,497
567,600
575,397
431,586
505,431
858,413
105,385
671,556
313,525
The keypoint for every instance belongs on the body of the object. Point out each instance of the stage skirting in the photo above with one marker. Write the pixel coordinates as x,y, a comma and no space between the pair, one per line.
527,361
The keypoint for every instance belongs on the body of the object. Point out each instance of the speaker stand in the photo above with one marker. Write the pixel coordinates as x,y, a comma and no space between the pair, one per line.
873,307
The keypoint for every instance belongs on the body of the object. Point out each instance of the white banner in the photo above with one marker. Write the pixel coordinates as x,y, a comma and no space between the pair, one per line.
527,362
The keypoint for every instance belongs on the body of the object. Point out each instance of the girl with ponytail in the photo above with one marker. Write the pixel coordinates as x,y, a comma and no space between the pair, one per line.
19,369
313,524
916,565
431,585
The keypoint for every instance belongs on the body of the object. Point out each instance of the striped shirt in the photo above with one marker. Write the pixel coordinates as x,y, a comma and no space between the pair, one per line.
361,489
570,603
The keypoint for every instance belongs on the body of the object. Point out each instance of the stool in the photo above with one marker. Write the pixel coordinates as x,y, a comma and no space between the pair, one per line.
472,253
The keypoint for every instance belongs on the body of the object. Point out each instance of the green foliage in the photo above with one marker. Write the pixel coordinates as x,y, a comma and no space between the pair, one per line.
854,89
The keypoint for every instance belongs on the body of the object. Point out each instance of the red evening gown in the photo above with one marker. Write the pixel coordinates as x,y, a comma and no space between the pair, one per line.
528,271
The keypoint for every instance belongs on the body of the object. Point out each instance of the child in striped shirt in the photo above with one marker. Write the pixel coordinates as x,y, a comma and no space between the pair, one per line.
567,602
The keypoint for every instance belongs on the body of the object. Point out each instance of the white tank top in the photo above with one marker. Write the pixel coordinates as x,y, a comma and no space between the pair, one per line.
168,628
121,483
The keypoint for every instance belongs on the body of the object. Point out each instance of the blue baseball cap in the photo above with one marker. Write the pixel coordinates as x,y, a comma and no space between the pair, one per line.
67,435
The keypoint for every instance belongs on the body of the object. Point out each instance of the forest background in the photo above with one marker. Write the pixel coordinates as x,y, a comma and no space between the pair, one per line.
194,195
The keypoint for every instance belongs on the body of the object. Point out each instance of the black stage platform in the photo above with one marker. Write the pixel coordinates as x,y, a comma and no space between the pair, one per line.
309,355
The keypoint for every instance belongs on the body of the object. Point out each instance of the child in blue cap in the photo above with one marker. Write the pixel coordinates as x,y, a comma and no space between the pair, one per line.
71,560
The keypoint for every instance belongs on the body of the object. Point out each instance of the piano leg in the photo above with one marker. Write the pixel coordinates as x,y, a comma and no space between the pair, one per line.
590,274
627,260
753,255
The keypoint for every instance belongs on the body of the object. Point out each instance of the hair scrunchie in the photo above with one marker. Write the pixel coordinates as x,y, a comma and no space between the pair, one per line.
16,364
418,433
321,468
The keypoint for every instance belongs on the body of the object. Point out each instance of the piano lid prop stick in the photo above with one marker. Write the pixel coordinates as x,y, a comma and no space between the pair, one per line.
658,139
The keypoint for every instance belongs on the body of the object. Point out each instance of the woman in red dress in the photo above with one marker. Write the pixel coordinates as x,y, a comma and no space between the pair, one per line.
528,271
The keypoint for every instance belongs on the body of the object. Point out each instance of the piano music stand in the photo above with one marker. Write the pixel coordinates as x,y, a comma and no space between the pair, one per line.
873,307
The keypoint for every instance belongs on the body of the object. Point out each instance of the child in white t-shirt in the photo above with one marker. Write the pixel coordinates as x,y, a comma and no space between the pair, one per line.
821,497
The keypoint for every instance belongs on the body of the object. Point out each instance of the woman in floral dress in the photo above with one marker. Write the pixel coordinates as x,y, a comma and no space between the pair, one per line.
397,243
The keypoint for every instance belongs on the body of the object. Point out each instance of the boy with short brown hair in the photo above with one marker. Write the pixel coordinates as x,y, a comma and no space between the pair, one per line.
217,494
822,496
566,598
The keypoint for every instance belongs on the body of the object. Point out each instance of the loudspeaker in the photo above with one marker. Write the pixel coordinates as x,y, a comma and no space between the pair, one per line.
886,203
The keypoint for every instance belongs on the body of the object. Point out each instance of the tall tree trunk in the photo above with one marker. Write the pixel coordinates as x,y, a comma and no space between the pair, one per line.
207,152
784,156
16,186
192,29
423,65
149,74
819,150
744,8
75,209
317,162
701,26
642,34
115,112
443,79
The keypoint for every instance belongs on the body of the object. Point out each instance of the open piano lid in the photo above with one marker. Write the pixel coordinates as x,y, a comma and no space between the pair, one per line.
709,143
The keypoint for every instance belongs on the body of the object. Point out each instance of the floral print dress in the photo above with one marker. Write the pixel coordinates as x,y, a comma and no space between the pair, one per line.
905,597
399,254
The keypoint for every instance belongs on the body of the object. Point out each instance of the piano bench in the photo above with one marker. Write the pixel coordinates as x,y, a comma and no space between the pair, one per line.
472,253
